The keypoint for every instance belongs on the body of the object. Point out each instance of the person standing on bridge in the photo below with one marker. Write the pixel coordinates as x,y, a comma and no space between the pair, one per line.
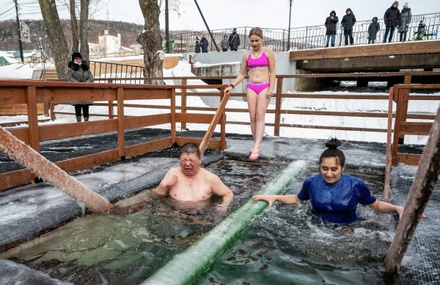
79,71
204,44
234,40
330,25
225,43
348,22
405,20
373,28
392,20
260,64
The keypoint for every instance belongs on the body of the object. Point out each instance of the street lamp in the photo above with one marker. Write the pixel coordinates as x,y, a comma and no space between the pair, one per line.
288,32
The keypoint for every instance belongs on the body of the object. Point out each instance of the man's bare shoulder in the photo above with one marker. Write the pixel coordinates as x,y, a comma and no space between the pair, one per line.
208,175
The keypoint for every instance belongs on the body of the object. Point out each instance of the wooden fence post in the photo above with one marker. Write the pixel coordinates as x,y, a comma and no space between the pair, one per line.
421,189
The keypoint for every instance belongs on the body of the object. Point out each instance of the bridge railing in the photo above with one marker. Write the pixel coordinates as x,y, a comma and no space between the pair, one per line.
307,37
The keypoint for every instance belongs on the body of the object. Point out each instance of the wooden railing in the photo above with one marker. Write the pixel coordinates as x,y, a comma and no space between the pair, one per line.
121,96
280,118
402,126
34,92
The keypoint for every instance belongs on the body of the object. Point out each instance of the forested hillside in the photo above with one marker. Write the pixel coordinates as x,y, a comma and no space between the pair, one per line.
9,36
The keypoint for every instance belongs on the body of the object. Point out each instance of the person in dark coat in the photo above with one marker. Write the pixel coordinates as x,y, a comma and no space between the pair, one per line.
392,20
348,22
225,43
204,44
79,71
198,46
373,28
405,20
330,25
234,40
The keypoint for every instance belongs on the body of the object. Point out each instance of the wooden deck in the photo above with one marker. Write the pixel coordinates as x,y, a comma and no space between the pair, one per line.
376,57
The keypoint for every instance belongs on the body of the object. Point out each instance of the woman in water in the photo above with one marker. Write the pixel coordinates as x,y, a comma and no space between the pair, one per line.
260,62
334,195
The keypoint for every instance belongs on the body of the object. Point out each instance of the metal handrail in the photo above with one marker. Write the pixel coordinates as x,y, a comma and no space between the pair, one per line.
308,37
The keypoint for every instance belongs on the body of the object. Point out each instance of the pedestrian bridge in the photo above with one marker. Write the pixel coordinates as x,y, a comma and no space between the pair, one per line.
392,57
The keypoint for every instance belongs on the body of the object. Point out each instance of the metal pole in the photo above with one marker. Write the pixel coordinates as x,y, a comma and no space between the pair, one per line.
288,32
206,24
167,28
20,44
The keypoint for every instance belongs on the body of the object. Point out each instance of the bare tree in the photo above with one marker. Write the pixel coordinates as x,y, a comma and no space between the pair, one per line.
58,44
84,28
151,40
74,24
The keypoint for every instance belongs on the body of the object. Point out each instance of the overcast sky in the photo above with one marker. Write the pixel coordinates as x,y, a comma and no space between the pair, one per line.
233,13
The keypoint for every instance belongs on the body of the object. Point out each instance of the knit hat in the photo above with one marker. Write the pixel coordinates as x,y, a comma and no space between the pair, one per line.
405,5
396,2
75,55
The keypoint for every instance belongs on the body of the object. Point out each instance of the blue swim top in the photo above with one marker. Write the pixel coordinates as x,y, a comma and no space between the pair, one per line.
260,62
336,203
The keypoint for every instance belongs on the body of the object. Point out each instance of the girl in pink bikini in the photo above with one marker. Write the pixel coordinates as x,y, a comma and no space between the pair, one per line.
259,62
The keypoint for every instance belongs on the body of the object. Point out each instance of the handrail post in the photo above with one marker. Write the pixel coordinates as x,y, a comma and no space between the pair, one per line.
111,114
173,114
121,123
31,100
399,117
389,155
183,100
421,189
276,131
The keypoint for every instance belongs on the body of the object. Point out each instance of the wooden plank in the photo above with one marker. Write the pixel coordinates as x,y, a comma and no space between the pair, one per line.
72,94
61,131
368,64
410,159
19,109
34,136
88,161
146,94
15,178
146,121
415,128
195,118
213,143
10,95
147,147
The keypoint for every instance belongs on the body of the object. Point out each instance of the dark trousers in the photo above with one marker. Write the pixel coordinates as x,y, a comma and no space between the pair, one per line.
403,36
348,33
388,30
85,109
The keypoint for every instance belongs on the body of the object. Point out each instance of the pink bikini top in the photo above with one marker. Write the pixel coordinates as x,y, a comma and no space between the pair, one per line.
260,62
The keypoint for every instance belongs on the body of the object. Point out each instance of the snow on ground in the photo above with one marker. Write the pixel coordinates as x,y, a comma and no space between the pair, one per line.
20,71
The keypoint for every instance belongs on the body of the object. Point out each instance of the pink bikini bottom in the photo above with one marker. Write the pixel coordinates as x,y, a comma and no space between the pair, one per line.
258,87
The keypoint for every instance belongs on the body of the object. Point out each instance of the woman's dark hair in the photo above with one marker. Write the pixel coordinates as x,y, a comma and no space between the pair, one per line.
333,151
190,148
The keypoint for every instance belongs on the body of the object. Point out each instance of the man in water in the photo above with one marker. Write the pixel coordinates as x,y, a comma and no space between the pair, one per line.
190,182
186,183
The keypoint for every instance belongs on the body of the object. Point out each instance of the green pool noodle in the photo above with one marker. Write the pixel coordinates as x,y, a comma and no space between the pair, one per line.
188,266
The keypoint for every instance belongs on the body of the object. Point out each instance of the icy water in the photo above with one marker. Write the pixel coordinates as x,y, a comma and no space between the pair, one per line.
283,246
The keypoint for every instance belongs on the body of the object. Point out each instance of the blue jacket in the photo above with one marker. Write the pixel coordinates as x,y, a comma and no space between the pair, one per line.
336,203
